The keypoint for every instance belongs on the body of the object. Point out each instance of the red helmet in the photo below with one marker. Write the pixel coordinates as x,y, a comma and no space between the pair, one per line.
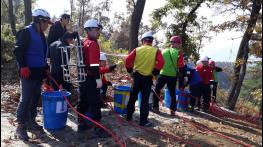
176,39
212,63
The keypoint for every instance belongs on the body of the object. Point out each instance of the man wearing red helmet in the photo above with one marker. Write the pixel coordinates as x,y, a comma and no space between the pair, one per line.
215,70
174,62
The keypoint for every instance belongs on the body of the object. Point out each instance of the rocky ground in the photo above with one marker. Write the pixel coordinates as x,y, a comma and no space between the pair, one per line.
185,129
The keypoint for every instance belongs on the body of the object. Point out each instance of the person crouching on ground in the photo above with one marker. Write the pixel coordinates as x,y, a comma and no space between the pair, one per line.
103,70
143,63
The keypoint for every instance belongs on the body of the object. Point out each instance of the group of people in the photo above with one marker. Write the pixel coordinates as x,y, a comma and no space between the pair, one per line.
143,63
170,66
32,51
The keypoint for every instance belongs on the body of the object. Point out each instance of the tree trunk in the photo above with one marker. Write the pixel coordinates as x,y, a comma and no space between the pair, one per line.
189,16
11,17
242,56
28,11
135,24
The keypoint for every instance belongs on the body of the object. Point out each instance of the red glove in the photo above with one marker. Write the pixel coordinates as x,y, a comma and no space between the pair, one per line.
25,72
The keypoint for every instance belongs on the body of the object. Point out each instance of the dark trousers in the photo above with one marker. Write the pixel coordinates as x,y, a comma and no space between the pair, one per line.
171,85
141,84
59,79
89,99
214,90
205,93
195,91
104,89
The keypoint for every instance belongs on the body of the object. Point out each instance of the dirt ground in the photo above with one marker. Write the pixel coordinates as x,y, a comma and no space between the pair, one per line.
185,129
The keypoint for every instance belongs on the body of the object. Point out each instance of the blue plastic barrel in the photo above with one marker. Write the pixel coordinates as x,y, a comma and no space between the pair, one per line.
150,100
182,102
167,97
55,110
121,98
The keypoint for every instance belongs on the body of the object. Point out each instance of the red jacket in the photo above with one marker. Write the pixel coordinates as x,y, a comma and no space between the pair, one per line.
131,58
104,70
205,72
91,54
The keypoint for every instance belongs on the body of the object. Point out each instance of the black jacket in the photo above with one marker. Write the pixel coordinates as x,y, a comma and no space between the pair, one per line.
21,46
56,31
55,56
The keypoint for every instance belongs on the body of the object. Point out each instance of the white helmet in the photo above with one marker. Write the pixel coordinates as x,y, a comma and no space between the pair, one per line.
41,12
103,57
92,23
205,59
199,62
147,34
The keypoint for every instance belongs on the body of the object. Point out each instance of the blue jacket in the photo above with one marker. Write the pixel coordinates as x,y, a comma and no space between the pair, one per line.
31,51
193,76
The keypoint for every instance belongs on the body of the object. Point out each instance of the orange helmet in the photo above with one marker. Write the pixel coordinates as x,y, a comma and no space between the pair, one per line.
212,63
176,39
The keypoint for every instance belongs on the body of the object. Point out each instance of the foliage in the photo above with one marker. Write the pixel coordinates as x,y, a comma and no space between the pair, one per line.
240,15
185,23
7,44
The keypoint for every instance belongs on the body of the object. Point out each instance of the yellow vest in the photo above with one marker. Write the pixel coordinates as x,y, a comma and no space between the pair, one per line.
145,59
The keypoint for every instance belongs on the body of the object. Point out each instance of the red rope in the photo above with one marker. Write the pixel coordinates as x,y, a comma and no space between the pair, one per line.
88,118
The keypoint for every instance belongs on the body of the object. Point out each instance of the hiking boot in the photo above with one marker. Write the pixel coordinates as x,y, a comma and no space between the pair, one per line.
21,132
34,126
147,124
172,113
83,126
156,110
101,133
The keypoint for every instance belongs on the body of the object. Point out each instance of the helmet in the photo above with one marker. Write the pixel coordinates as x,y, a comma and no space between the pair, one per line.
212,63
176,39
199,62
148,35
41,13
92,23
205,59
65,14
103,57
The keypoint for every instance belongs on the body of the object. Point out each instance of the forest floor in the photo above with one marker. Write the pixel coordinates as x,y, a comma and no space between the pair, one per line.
184,129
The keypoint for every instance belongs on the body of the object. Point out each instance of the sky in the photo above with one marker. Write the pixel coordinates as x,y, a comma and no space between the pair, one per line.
220,48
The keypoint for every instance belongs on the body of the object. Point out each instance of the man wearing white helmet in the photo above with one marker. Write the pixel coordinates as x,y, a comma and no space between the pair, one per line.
206,74
31,53
89,99
57,30
143,63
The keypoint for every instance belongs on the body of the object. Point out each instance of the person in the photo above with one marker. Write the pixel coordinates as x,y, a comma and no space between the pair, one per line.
174,62
194,81
89,99
103,70
57,30
206,74
143,63
214,82
56,59
31,53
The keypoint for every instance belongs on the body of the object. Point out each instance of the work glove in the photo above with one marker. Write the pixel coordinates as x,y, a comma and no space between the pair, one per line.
112,67
25,72
99,83
47,87
211,86
114,85
185,79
